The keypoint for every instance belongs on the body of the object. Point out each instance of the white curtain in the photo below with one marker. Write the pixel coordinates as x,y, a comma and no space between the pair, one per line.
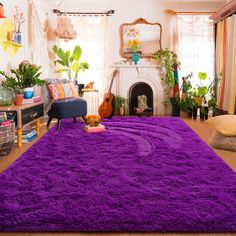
194,39
92,32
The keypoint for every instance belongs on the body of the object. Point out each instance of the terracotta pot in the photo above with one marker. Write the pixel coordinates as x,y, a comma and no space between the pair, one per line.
184,114
18,99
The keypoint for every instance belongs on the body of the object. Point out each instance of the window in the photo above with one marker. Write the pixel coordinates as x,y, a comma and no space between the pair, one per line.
195,45
92,38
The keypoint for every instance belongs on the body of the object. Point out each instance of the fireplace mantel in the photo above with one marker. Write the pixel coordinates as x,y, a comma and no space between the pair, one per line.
134,66
148,73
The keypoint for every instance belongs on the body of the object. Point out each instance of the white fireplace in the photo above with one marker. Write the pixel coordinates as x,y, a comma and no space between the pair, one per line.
150,74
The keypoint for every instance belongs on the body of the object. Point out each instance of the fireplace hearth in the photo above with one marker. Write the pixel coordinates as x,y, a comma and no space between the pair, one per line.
147,78
141,99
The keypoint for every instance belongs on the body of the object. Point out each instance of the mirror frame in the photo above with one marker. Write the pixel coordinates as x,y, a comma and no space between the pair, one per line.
136,22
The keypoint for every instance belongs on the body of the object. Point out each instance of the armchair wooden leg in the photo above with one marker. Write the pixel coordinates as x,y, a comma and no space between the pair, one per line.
59,124
75,120
49,121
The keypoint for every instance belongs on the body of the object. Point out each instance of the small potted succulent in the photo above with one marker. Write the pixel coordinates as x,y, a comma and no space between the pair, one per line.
120,103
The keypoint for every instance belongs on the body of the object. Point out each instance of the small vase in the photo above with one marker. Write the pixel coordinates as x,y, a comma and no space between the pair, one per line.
135,58
18,99
18,37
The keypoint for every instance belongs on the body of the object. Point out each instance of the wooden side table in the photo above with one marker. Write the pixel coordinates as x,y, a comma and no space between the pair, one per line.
25,115
92,99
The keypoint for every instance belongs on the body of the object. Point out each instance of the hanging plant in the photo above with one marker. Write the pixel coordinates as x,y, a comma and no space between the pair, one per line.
168,61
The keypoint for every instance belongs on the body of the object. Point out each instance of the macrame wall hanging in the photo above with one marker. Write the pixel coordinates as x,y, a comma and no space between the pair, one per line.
65,29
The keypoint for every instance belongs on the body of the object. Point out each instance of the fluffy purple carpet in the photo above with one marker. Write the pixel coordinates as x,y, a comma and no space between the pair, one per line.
142,174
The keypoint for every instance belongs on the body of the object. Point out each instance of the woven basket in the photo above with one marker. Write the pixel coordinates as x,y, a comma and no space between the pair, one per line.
7,137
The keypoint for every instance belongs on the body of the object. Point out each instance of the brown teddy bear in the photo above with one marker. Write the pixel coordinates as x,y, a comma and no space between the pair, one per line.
93,120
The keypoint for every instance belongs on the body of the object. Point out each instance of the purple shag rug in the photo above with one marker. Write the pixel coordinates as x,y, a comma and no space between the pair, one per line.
142,174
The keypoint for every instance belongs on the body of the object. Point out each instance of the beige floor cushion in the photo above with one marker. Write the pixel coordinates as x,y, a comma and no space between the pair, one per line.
223,142
225,124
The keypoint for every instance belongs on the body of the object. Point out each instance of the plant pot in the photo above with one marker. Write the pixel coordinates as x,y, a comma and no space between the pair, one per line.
28,93
121,111
184,114
195,113
80,86
204,113
175,110
18,99
190,113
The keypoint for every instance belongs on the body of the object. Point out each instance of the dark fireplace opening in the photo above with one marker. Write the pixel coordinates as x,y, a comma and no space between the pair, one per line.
141,99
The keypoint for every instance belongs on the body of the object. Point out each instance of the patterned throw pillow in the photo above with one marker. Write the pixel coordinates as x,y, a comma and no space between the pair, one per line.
60,91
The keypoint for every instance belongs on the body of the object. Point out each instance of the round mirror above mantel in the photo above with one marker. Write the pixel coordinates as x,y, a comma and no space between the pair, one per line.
140,36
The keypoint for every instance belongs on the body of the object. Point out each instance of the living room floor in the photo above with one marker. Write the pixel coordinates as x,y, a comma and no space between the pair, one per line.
201,128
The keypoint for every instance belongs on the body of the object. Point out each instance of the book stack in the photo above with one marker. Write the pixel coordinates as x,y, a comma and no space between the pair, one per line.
27,136
35,99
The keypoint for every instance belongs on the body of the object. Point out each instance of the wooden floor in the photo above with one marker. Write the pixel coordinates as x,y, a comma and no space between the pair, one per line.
202,129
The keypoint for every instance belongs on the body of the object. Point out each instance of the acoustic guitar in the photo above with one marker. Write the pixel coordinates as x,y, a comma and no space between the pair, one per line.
107,108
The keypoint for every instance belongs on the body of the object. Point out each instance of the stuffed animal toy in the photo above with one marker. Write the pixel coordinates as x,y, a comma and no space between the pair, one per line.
93,120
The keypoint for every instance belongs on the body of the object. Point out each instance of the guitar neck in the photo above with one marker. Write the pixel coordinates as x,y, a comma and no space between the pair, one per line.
112,80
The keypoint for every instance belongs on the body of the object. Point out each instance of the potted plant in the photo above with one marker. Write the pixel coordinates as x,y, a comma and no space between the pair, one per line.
199,95
169,63
29,74
14,85
120,103
175,102
186,103
26,75
70,62
201,90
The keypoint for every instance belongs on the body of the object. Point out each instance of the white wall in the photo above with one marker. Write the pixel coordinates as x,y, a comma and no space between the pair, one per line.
125,11
130,10
8,62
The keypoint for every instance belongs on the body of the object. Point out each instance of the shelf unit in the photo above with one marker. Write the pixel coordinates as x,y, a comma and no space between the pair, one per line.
11,45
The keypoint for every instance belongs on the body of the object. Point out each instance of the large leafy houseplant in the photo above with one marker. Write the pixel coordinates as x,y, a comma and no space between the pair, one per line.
70,62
